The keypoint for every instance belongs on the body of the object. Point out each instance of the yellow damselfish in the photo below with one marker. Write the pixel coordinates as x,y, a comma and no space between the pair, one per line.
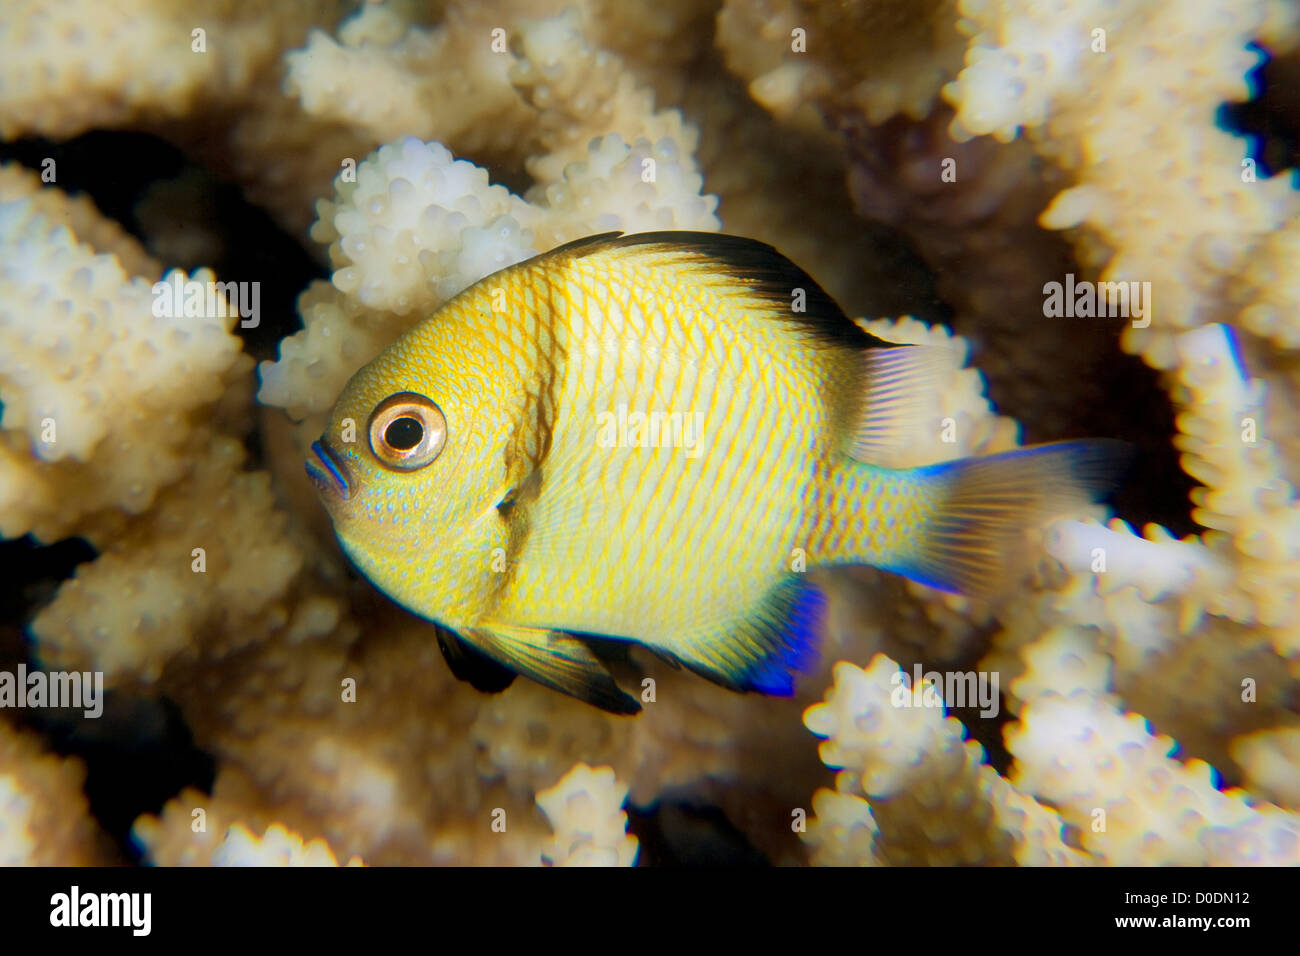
648,438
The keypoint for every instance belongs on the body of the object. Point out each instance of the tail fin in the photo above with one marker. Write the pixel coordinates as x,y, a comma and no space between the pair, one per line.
971,542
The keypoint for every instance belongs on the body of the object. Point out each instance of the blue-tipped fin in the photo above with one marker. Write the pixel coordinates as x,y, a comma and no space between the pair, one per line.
764,651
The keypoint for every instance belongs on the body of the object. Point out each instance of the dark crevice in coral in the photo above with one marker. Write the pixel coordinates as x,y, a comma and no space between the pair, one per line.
1137,410
113,168
118,169
1270,119
139,754
683,834
512,177
988,730
32,572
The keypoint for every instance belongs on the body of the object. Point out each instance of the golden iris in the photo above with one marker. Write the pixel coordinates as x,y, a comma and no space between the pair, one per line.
407,431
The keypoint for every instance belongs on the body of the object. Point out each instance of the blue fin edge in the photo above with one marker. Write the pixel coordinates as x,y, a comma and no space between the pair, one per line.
790,617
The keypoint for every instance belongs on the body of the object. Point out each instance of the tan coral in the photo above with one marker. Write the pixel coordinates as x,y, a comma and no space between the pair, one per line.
912,793
585,808
912,783
582,93
403,236
213,545
1140,628
74,65
397,70
364,744
284,160
71,65
44,814
185,832
387,78
1195,635
1132,803
95,416
1271,761
1046,68
194,830
91,386
81,217
694,739
276,847
841,831
1226,444
881,57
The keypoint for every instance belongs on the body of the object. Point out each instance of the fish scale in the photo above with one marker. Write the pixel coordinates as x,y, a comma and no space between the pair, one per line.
747,408
517,527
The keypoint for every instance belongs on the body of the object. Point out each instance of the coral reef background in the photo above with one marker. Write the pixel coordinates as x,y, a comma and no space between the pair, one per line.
932,163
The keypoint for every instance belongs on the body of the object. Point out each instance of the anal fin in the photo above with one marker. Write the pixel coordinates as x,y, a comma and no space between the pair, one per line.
763,651
555,659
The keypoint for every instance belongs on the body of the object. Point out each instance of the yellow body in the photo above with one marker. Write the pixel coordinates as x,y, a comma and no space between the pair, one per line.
528,523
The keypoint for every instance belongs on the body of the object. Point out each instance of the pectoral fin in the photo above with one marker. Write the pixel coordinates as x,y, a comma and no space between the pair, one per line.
556,660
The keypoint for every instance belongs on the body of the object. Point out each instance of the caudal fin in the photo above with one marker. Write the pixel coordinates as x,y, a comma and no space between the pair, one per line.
971,543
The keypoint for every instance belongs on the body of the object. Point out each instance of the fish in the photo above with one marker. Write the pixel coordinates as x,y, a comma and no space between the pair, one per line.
651,438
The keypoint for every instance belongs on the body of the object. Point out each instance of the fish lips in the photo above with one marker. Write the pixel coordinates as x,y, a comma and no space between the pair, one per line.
328,472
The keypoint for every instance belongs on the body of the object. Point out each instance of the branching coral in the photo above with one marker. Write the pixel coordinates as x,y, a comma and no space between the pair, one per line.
1085,756
390,74
276,847
226,592
794,52
910,789
1054,68
44,815
84,363
481,79
913,792
192,832
81,218
585,808
70,66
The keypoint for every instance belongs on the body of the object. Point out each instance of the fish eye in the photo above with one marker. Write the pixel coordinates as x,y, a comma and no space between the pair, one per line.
407,431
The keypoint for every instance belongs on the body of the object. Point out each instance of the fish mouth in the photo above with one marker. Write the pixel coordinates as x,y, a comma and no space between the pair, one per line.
328,471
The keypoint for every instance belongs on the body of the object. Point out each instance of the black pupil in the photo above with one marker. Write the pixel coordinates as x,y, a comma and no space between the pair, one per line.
403,433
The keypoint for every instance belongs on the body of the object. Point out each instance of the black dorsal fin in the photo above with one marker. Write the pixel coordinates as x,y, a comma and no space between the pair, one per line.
577,248
765,272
